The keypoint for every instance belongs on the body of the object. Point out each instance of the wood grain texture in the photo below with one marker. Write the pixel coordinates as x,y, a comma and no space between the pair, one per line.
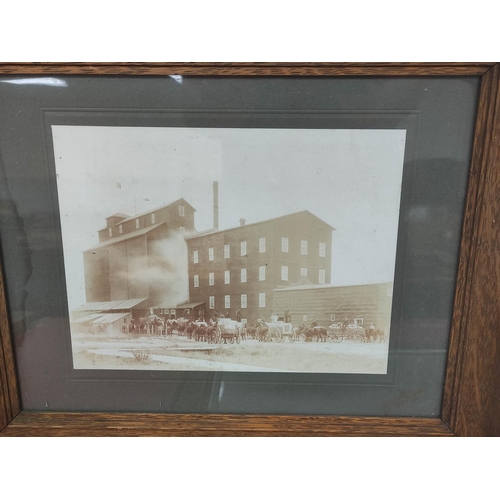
137,424
471,404
468,247
9,394
248,69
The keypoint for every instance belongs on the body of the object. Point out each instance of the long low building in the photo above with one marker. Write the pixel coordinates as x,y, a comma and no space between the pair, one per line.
136,307
326,304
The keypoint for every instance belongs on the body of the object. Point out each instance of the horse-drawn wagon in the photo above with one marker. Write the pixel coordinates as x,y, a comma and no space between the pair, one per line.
228,331
337,332
268,332
282,331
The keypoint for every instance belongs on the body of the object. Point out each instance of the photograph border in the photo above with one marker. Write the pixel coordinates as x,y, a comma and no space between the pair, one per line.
471,401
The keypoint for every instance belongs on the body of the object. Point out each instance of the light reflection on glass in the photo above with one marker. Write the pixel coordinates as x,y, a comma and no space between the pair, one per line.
52,82
177,78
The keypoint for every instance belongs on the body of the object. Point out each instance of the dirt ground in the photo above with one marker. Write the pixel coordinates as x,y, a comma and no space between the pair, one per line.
180,353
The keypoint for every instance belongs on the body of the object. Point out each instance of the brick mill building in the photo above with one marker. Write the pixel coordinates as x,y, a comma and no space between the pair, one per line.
235,271
130,260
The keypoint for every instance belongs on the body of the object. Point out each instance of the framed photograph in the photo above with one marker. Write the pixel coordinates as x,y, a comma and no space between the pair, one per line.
249,249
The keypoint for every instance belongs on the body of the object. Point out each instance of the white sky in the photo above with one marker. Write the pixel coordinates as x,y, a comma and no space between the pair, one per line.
349,178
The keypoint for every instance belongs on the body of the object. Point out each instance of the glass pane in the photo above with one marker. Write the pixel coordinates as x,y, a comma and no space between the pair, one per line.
97,337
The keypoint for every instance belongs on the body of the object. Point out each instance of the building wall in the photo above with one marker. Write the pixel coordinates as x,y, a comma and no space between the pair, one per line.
118,277
96,269
132,268
296,227
137,283
371,302
168,214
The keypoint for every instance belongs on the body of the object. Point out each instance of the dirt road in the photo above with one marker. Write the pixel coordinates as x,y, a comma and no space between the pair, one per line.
180,353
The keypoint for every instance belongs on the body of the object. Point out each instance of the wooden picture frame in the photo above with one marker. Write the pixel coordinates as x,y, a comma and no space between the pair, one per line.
471,402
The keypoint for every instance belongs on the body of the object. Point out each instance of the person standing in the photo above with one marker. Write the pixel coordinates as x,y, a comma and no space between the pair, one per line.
288,318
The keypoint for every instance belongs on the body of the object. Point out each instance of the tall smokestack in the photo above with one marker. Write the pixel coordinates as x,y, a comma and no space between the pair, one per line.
216,205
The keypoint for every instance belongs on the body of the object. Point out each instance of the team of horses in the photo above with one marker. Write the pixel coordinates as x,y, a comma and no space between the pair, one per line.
261,331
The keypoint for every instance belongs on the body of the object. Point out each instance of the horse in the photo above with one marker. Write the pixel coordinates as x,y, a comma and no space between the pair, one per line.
320,333
317,333
200,333
181,327
252,332
190,328
263,333
374,335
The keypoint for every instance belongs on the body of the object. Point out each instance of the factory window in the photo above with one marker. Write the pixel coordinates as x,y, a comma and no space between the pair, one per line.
244,301
195,256
321,278
243,248
332,317
227,277
304,318
358,321
262,300
181,210
227,251
262,273
284,273
120,229
322,249
303,247
303,272
284,245
243,275
211,302
211,279
110,232
137,223
211,253
262,245
153,218
196,281
227,301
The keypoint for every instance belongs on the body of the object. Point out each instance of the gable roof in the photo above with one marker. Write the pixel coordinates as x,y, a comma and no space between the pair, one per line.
118,214
302,212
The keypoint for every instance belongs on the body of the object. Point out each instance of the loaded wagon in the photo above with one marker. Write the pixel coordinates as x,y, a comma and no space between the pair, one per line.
282,331
228,331
338,332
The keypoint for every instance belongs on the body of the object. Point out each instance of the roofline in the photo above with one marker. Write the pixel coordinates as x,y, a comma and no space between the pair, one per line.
325,286
210,232
132,217
119,215
126,236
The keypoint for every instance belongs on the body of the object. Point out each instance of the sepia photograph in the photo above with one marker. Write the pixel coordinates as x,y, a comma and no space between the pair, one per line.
229,249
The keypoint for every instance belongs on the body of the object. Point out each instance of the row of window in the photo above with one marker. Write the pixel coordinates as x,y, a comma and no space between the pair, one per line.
262,249
262,276
243,301
153,221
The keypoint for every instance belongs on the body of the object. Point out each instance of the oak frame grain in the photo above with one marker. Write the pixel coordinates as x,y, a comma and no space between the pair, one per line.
471,401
